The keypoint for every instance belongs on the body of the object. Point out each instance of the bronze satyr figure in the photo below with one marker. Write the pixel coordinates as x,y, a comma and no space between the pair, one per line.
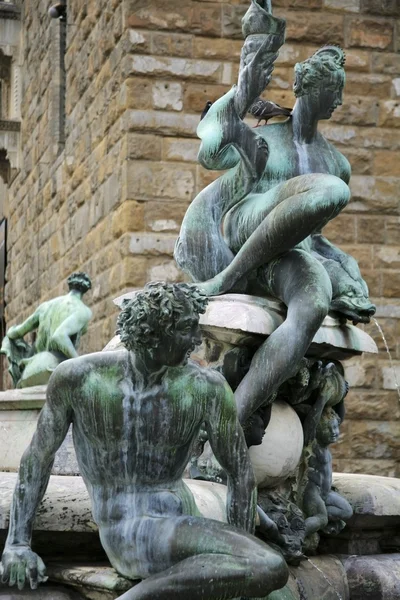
136,414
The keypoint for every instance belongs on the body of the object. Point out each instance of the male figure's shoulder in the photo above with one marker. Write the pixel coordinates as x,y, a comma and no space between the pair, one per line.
209,384
72,374
204,375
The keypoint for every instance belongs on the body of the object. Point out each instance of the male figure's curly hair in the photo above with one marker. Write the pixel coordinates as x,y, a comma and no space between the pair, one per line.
154,311
326,65
79,281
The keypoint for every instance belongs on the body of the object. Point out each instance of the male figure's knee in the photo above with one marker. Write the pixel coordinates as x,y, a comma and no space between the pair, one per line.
271,571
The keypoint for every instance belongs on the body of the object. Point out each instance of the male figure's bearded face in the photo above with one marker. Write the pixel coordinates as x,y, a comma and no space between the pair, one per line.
175,349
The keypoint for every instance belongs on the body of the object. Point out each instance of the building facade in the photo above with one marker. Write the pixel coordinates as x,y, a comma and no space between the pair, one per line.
98,149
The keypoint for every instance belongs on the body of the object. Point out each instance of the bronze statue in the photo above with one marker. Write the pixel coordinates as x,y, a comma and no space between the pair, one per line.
285,183
323,508
59,325
136,414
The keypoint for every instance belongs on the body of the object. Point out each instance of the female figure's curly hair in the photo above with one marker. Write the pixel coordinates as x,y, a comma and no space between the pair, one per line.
326,65
154,311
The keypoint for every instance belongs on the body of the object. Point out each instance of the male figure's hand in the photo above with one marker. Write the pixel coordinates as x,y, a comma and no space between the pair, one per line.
19,565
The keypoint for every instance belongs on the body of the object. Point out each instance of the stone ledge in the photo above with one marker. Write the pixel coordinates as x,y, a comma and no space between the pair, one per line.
9,11
23,399
254,318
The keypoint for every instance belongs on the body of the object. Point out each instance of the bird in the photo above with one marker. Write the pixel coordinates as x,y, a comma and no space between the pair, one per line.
205,110
58,11
265,110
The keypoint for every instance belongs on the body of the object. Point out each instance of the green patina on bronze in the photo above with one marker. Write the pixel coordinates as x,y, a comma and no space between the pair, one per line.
59,325
257,229
136,415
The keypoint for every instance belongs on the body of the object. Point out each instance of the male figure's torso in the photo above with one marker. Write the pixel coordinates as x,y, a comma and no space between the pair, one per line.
132,440
52,314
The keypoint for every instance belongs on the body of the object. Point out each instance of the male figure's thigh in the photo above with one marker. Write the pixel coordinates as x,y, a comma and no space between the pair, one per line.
151,545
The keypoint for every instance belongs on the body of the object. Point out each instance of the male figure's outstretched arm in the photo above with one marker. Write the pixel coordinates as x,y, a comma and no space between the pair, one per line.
229,446
30,324
19,564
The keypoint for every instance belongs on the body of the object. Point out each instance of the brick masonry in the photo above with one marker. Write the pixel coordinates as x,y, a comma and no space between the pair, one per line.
109,198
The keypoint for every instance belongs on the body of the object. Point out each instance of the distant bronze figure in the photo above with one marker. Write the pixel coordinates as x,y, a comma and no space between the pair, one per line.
59,325
136,414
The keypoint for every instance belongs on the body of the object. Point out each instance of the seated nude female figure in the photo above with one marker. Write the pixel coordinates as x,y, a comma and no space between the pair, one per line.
288,183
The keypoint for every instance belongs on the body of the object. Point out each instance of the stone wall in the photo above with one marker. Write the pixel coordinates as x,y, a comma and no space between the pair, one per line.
104,190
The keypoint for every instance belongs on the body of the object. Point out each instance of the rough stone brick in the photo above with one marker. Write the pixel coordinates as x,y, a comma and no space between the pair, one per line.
383,62
232,20
374,85
360,161
308,4
164,271
168,44
370,33
206,19
180,149
358,111
164,216
138,146
342,229
135,93
380,467
395,92
361,373
128,217
165,14
314,27
391,377
391,284
392,230
165,123
290,54
196,95
131,271
167,95
375,439
151,243
370,230
175,67
389,8
344,5
147,180
389,115
372,404
223,49
374,194
183,15
374,282
386,163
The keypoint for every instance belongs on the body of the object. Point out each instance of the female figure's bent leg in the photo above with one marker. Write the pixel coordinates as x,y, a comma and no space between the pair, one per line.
301,206
302,283
210,560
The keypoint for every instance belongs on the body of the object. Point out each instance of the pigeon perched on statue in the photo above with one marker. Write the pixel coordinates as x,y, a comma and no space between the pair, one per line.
205,110
265,110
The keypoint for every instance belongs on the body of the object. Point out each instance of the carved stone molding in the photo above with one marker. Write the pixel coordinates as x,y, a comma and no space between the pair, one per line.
9,10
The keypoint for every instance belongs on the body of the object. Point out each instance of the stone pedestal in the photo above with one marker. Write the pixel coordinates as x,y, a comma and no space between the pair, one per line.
64,525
